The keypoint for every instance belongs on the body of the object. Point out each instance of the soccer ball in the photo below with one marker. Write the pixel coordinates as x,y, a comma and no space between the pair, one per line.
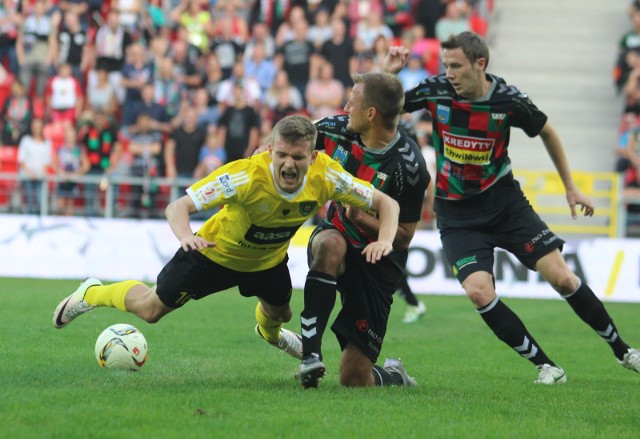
121,346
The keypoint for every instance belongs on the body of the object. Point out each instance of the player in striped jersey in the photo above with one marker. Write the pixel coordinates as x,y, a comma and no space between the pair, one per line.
368,144
480,206
266,198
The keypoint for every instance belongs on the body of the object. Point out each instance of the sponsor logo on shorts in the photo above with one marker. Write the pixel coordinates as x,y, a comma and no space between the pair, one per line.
461,263
362,325
528,247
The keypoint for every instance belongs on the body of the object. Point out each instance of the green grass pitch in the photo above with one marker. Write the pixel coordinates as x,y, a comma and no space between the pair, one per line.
209,376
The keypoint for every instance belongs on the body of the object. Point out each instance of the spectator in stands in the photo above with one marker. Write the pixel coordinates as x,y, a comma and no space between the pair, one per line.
79,8
286,30
281,84
64,98
35,47
260,34
99,137
182,150
325,95
197,21
239,126
233,11
630,41
320,32
73,46
183,68
295,56
17,113
34,160
453,22
227,46
357,12
102,96
147,105
340,53
69,161
412,73
631,87
135,75
211,77
111,44
154,21
207,114
129,14
368,30
146,148
10,20
427,14
169,92
252,90
260,68
212,155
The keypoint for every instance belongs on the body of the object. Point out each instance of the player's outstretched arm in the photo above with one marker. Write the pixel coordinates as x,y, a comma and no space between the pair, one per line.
388,212
177,213
555,150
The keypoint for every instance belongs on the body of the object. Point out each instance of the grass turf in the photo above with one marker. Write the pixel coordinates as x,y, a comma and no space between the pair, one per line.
208,375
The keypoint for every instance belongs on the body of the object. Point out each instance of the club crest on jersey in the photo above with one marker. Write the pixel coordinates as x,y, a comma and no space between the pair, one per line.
340,155
285,212
443,113
306,208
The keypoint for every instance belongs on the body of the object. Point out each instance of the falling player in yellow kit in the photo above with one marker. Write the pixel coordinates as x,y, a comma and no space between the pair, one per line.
266,198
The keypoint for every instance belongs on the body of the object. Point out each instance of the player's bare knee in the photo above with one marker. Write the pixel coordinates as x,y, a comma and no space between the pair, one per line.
329,250
564,282
479,294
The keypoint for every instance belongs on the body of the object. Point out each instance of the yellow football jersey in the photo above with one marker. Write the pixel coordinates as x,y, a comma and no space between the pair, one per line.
253,229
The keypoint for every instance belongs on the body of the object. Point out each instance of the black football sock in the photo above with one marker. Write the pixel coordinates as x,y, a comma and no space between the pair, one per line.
591,310
383,378
405,291
319,298
508,327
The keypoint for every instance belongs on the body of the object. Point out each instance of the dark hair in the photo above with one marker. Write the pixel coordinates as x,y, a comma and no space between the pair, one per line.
473,46
384,92
295,129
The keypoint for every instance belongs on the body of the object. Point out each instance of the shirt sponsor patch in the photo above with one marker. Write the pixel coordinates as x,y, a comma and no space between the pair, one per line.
466,149
227,186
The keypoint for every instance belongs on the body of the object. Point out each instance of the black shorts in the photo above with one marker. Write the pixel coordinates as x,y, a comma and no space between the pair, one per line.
469,240
367,294
191,275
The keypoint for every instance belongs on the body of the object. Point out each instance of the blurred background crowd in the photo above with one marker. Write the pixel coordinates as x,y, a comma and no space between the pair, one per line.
173,89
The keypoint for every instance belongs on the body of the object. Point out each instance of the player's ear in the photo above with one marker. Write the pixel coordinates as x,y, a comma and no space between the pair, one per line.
314,154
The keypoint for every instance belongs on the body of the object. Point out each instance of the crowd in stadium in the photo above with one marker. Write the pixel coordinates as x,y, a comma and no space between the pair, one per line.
626,75
177,88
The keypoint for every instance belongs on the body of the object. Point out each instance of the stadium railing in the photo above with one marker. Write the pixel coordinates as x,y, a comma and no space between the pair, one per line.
546,193
543,189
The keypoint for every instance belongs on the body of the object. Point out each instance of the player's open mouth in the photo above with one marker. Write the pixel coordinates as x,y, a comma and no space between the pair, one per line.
289,176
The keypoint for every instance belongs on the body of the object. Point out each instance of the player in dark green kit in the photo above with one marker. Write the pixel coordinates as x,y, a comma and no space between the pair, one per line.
479,204
367,143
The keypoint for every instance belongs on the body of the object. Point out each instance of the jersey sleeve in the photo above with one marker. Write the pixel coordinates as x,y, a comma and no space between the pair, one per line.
346,188
527,116
222,186
417,97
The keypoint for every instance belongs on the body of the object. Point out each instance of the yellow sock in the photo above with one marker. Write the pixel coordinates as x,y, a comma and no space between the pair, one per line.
110,295
269,329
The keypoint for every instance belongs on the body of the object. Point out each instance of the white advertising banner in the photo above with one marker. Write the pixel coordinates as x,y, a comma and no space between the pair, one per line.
116,249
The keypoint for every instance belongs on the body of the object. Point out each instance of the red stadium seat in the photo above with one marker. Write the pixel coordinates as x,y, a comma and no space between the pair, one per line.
8,165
